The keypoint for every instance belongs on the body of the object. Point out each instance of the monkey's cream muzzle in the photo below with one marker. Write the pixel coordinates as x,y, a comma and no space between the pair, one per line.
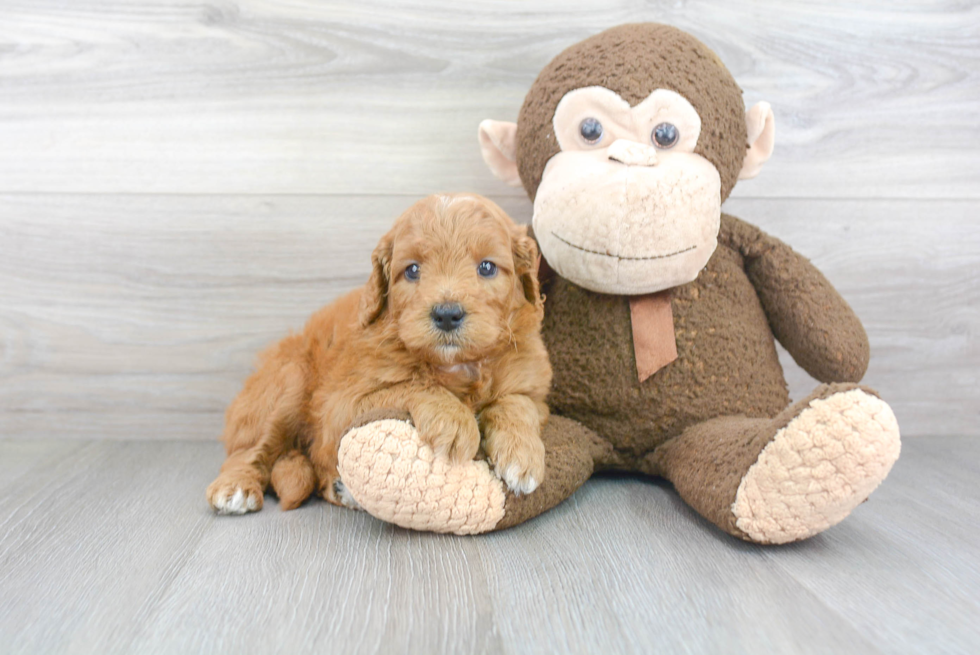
627,228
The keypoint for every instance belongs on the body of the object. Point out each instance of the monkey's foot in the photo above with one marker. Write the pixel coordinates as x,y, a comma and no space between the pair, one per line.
820,466
395,477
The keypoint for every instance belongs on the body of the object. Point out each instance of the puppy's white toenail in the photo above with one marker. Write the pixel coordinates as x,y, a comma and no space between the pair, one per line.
517,483
237,502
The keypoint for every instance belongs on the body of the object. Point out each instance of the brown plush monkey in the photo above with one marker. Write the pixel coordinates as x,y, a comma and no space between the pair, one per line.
660,313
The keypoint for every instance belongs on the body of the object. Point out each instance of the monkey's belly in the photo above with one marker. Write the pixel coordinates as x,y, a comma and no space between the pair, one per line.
726,359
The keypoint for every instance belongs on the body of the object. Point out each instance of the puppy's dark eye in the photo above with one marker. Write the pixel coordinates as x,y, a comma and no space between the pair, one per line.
412,272
487,268
665,135
591,130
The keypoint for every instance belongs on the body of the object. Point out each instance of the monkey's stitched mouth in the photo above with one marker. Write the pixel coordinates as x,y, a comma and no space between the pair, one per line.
621,257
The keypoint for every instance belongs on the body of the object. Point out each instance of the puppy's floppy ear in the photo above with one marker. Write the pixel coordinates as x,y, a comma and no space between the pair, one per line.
374,299
526,261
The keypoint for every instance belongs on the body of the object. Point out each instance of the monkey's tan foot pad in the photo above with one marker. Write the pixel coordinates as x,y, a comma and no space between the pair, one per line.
396,478
819,467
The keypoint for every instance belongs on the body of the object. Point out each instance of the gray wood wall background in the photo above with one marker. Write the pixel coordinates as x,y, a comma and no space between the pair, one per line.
183,183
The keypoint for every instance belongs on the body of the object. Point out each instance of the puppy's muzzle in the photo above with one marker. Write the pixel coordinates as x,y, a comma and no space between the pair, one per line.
448,316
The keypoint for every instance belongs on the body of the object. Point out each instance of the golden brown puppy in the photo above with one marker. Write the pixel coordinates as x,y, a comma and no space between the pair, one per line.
447,327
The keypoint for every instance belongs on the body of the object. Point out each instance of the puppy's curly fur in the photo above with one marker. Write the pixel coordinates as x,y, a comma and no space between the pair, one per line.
381,346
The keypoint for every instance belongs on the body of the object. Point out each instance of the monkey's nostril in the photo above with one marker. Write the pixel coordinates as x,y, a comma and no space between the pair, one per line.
448,316
632,153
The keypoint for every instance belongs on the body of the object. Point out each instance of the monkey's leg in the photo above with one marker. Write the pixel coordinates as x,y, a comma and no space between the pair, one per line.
784,479
396,478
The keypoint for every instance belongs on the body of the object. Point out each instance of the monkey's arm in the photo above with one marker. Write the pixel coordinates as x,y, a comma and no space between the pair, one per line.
806,314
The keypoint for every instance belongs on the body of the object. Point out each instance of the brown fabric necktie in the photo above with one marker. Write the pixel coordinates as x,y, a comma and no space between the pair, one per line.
653,332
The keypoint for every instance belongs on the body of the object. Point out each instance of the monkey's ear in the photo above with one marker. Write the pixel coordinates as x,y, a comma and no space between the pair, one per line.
761,126
526,262
374,298
498,143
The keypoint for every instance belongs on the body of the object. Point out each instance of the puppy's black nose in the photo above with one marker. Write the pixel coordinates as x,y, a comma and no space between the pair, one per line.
448,316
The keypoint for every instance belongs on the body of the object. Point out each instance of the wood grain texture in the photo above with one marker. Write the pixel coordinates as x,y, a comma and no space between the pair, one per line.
140,316
110,547
872,99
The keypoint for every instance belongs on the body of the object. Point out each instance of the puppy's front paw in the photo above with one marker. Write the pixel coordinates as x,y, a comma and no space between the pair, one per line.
229,496
519,462
450,431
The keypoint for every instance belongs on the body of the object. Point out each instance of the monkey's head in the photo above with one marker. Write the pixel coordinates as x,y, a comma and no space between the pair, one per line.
628,143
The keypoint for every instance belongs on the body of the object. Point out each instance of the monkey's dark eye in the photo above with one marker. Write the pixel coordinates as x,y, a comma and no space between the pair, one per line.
412,272
487,269
665,135
591,130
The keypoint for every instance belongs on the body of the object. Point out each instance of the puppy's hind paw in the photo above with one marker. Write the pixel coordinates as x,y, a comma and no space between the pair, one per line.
231,498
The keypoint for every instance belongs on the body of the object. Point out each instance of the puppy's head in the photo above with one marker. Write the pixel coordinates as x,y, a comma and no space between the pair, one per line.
456,277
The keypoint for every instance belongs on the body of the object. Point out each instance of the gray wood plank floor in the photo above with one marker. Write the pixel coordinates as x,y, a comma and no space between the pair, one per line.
109,547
